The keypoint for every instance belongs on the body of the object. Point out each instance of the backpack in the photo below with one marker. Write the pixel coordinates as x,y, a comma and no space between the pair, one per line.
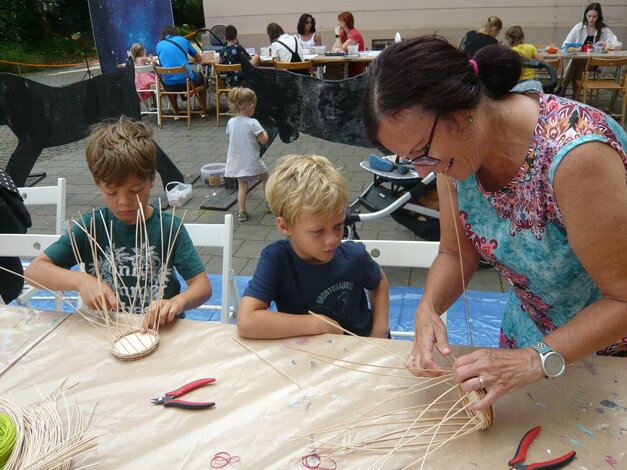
295,56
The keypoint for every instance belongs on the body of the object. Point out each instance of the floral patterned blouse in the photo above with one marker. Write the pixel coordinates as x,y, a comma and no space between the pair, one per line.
520,230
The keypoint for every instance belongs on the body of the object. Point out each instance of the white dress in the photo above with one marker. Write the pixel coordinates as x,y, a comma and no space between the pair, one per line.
243,158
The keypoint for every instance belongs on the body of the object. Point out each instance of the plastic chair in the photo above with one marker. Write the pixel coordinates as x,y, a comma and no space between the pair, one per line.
29,246
293,66
403,254
615,84
221,236
221,87
190,91
44,196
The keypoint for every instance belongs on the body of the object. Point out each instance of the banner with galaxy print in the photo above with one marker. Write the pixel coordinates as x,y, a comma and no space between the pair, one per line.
118,24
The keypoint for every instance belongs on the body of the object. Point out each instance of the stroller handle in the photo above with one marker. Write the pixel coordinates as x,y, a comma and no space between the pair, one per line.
416,191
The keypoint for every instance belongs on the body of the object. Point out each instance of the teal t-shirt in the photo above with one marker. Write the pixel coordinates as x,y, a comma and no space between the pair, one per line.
520,229
137,256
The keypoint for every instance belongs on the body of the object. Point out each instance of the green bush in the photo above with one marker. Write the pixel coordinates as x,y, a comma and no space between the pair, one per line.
15,53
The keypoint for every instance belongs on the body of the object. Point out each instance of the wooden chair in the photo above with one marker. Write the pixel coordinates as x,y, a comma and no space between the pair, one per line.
588,85
190,91
292,66
221,86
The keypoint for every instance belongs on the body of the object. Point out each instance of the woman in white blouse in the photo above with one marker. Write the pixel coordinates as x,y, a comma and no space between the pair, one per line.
590,30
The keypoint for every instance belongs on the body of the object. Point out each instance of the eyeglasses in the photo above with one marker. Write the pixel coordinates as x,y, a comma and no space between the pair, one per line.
309,22
424,159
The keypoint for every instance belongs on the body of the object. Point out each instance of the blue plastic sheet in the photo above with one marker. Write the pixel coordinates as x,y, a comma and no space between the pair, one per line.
485,308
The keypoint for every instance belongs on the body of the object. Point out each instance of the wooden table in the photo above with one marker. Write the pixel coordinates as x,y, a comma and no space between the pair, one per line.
258,410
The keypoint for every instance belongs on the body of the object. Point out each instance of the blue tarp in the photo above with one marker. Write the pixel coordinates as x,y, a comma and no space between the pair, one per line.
485,308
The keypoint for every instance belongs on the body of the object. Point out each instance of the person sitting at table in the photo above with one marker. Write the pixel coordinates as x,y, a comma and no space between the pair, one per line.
121,156
307,31
486,35
312,270
283,47
232,54
346,35
172,51
516,39
533,184
143,80
589,31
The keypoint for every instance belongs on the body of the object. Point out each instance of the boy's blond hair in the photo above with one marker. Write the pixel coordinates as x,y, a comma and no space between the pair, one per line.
240,100
116,150
306,184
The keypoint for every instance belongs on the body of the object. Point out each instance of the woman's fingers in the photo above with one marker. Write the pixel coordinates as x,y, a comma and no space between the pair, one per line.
498,371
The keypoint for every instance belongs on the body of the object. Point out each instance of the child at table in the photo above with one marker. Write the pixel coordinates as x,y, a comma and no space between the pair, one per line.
312,270
516,39
245,134
143,80
121,158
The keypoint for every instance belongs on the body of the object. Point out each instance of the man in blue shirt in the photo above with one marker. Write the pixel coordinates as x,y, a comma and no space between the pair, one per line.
172,51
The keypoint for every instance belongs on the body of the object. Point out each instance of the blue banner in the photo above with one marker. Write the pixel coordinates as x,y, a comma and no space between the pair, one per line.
118,24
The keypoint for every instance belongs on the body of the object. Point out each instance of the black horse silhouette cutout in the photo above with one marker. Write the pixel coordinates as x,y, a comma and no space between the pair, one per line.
43,116
289,103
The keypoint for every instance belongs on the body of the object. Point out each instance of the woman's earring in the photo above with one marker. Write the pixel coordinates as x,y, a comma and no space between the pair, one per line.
470,118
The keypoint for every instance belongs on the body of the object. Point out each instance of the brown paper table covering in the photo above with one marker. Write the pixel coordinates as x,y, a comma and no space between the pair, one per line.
258,410
21,329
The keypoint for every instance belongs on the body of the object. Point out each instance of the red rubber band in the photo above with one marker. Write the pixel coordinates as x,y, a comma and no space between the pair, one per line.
320,459
222,459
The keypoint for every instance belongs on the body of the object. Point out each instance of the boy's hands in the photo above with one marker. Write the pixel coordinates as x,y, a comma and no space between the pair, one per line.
96,294
161,312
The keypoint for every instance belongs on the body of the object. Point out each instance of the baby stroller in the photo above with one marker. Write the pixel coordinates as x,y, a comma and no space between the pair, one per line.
394,193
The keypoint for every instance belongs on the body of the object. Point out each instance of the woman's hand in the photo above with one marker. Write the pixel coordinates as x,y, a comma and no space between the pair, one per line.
430,333
337,30
499,371
96,294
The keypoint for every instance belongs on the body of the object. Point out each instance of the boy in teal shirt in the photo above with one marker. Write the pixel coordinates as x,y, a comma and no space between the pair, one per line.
134,261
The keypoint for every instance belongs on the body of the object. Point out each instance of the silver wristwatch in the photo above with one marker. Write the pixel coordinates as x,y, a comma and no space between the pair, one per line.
553,364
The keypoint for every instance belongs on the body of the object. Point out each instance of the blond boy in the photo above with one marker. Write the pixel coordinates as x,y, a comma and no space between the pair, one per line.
312,269
121,158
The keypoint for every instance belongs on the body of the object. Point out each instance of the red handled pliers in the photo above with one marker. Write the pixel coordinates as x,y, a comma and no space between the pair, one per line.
170,398
521,453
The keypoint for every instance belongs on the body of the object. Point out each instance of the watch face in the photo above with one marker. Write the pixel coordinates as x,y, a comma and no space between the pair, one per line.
553,364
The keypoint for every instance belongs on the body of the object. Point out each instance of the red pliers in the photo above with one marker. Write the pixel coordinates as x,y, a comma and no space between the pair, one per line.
170,398
521,453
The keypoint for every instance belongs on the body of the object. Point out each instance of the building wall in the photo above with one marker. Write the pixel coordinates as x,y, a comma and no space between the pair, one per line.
544,22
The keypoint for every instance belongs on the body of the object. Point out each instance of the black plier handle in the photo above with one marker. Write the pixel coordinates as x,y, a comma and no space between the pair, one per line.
170,398
517,461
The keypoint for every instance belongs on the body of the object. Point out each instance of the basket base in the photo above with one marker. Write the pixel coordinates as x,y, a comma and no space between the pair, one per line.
134,344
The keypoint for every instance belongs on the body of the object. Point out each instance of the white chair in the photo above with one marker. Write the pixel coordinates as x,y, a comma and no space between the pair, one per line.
403,254
48,196
221,236
27,246
45,196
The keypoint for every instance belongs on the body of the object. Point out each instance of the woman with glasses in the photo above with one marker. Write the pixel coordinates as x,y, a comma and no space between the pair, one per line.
533,183
307,31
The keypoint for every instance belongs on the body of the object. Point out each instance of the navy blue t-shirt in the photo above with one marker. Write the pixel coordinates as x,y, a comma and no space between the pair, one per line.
334,289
